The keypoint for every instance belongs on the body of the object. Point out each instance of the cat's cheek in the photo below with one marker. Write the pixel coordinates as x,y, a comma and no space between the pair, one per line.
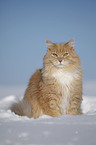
53,63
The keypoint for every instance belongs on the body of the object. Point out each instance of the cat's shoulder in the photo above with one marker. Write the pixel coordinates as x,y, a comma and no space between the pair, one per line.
36,77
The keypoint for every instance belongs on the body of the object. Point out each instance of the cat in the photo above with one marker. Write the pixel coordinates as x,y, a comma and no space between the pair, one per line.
56,89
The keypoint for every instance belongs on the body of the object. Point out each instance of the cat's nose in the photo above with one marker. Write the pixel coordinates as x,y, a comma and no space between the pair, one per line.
60,60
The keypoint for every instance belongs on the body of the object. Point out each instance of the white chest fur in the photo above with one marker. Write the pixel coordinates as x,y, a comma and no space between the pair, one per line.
65,79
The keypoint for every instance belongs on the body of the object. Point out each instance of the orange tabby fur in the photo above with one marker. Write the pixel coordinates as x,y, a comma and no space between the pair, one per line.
56,89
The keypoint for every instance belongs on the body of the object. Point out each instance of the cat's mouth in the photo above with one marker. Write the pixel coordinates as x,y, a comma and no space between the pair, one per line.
60,64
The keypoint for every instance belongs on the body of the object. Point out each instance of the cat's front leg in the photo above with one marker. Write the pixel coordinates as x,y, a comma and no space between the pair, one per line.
75,105
51,108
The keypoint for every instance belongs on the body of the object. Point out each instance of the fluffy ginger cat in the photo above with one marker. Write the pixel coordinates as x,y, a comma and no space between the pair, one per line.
56,89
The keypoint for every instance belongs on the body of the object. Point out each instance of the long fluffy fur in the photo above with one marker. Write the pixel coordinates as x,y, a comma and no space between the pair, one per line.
22,108
53,90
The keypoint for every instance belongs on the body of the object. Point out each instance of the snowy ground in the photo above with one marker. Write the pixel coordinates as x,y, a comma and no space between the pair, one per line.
63,130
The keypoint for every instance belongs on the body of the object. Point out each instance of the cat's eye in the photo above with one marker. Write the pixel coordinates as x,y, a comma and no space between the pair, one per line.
54,54
66,54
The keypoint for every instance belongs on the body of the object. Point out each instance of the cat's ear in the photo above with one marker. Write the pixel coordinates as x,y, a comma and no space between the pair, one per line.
49,44
71,43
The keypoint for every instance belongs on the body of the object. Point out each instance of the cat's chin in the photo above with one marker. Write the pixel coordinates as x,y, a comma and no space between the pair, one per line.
60,65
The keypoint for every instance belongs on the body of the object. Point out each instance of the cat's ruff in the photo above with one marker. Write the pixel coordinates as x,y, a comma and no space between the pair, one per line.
65,79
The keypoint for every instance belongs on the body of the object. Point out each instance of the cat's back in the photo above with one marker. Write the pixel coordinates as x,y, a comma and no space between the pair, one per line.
33,86
36,77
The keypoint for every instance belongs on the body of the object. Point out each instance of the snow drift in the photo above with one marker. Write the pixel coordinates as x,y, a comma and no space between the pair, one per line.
46,130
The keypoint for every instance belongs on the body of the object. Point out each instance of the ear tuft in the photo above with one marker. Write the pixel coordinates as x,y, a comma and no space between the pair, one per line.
71,43
49,44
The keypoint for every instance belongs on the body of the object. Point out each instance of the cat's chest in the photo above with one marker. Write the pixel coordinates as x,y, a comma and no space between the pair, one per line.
64,82
64,78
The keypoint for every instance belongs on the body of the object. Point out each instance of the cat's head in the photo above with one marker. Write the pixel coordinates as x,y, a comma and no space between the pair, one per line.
61,54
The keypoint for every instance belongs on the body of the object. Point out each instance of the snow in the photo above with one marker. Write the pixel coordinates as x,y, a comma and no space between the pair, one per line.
46,130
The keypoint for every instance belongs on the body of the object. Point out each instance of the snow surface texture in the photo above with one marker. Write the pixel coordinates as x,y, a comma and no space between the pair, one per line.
46,130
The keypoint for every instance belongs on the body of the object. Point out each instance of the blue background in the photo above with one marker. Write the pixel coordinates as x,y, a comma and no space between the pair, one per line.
26,24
